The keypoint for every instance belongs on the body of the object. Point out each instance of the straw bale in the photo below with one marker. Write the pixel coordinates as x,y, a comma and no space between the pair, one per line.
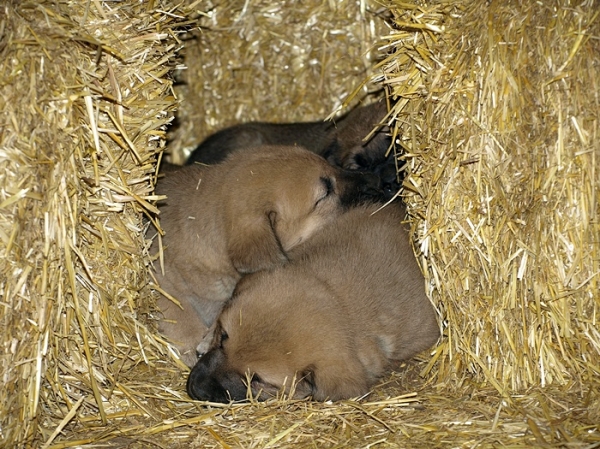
85,99
284,61
497,109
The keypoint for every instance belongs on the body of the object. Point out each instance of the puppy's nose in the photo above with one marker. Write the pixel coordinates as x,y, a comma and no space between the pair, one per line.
207,389
371,185
371,182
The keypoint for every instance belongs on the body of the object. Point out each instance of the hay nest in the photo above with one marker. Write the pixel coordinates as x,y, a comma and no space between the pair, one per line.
492,106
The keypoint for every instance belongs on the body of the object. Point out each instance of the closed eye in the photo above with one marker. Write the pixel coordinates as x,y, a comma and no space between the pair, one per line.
256,378
224,338
258,383
328,185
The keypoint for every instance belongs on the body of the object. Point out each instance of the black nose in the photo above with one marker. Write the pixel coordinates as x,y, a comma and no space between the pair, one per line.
371,187
208,389
203,384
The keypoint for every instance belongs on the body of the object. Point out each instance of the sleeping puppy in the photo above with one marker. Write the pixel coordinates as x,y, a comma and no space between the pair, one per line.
341,143
240,216
348,307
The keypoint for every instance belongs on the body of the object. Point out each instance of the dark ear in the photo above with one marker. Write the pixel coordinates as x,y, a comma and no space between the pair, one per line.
256,246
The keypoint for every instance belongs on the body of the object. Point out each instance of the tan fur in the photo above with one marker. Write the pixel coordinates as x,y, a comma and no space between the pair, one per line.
349,306
241,216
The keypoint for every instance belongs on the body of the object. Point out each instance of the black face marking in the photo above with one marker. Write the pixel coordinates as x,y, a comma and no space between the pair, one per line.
202,384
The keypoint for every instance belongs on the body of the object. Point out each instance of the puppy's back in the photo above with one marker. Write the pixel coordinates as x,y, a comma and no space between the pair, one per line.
367,258
313,136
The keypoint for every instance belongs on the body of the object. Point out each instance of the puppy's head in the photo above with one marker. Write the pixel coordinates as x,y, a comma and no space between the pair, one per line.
351,151
267,343
278,197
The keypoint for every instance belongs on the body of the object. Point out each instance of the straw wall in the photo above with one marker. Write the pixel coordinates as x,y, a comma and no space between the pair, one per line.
272,61
498,112
84,100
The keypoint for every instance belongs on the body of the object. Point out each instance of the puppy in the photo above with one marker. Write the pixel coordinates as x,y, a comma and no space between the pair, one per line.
341,143
240,216
348,307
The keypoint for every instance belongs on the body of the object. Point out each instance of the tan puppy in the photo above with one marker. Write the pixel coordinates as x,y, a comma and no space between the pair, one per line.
349,306
241,216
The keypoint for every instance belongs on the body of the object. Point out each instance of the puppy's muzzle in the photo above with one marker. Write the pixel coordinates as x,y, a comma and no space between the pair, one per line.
390,180
202,383
210,381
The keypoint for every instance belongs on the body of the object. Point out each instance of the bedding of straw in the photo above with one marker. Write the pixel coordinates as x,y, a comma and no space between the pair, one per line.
494,103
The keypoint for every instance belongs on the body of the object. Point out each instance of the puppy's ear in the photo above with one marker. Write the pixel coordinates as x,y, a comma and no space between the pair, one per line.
305,383
256,246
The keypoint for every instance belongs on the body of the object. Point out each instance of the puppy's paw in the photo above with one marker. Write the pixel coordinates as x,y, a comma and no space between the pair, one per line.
206,342
189,356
